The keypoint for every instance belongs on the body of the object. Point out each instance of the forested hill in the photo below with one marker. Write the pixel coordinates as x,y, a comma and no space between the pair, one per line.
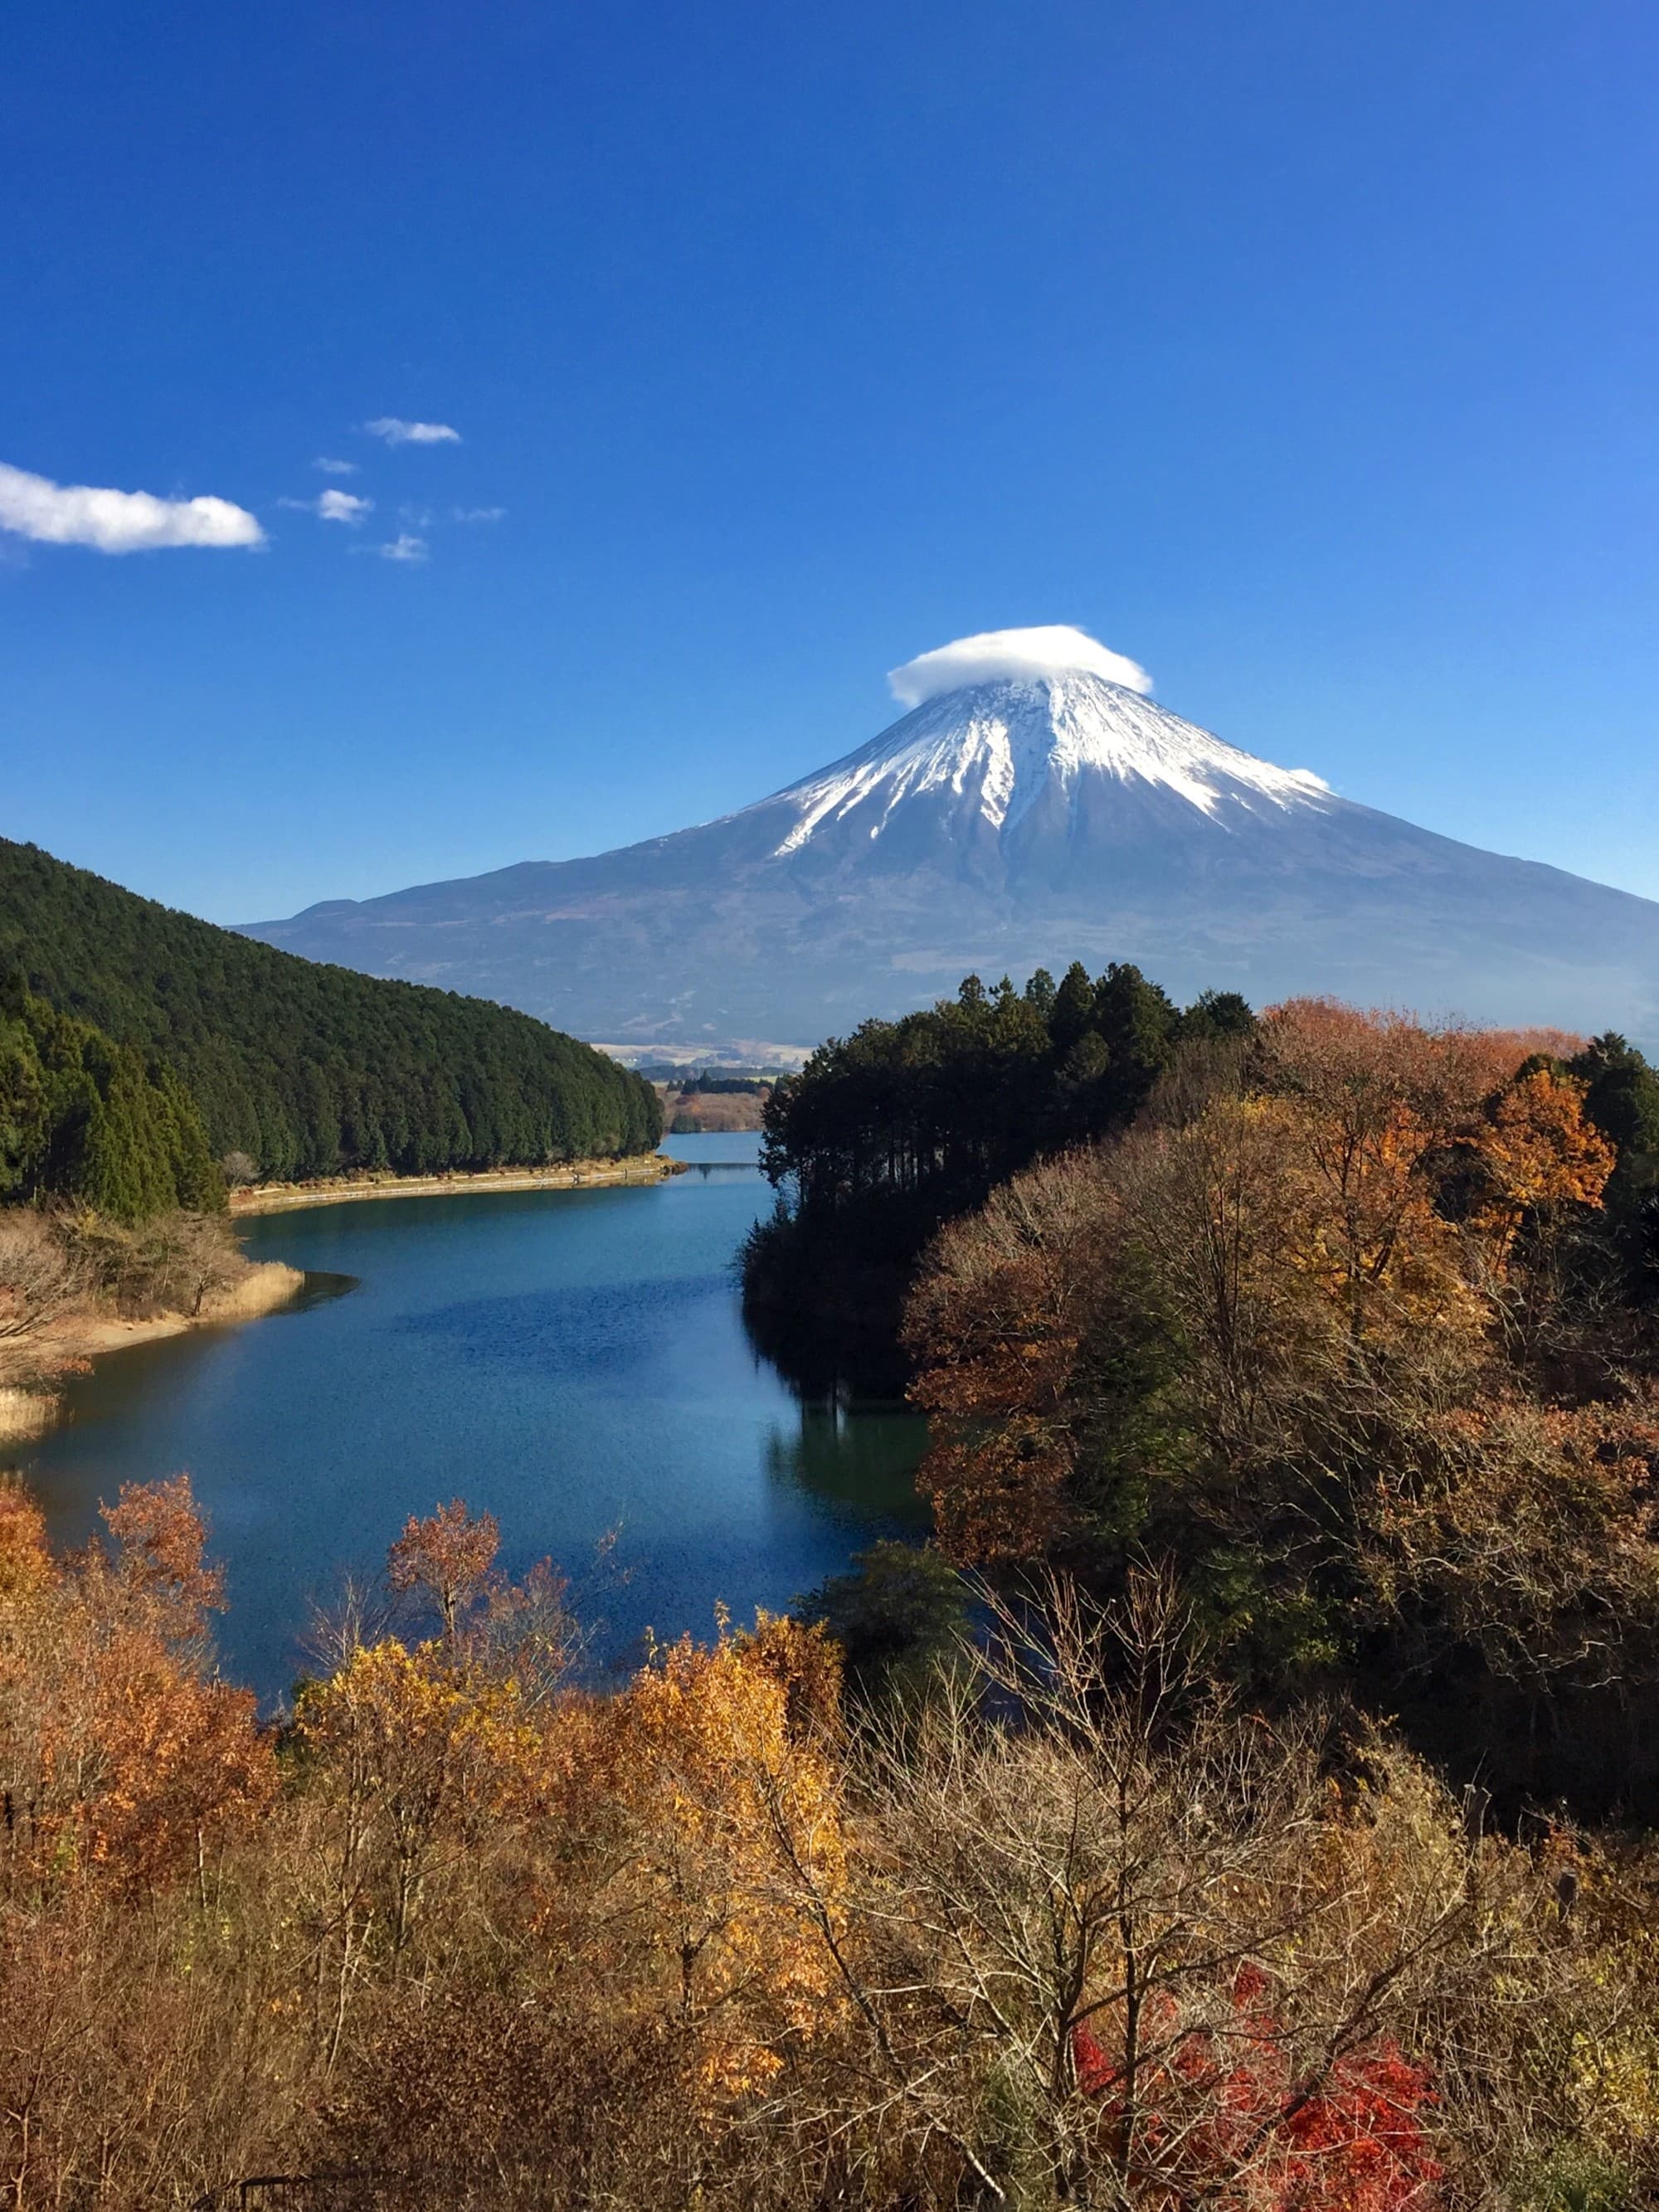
312,1069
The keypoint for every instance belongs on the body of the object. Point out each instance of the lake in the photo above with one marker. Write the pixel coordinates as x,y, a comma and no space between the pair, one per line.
573,1361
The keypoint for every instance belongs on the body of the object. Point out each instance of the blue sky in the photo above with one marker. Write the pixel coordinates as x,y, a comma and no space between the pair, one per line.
1309,356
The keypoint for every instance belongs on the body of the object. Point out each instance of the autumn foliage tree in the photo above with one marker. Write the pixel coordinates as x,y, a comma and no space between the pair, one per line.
1319,1328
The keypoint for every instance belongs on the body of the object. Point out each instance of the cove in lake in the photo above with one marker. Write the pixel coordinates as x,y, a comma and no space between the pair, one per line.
573,1361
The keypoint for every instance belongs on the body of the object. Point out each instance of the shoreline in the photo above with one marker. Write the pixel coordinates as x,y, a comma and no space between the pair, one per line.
341,1190
27,1415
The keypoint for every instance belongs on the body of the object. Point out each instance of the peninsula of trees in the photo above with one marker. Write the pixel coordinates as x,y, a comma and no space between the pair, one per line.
305,1071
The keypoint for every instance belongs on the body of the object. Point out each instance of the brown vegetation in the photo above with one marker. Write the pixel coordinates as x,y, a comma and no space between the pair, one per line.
688,1112
1080,1931
1325,1327
68,1275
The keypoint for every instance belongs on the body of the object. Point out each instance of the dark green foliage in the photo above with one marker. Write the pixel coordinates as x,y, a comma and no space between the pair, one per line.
1623,1099
887,1134
312,1069
1623,1102
1137,1428
86,1119
898,1618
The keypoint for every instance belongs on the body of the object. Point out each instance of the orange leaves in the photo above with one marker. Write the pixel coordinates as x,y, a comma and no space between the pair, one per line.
1384,1108
161,1545
1220,1283
176,1758
449,1556
26,1564
120,1754
1541,1151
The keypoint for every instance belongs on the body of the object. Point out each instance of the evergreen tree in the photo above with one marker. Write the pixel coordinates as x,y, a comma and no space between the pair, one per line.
1073,1012
85,1119
887,1134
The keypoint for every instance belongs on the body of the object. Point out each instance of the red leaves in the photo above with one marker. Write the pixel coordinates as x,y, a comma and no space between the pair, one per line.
1222,2112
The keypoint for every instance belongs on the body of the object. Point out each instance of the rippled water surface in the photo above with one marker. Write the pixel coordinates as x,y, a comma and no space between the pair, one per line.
574,1361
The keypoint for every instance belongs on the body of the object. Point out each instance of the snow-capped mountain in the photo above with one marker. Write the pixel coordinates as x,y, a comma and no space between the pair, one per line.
1034,807
995,752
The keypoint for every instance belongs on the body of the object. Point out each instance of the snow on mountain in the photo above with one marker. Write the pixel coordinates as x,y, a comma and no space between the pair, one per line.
1003,743
1033,807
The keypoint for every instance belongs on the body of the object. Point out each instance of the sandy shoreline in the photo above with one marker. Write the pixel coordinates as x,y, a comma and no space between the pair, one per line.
27,1415
575,1174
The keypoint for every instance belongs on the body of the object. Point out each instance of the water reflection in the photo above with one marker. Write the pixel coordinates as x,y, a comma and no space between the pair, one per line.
858,1457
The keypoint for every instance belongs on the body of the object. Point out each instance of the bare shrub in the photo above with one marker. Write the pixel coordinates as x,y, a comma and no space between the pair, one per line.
41,1274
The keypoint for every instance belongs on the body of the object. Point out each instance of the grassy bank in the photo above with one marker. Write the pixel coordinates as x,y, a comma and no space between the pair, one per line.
75,1286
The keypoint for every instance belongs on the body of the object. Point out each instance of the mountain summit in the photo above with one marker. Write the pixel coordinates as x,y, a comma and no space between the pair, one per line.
1051,752
1034,807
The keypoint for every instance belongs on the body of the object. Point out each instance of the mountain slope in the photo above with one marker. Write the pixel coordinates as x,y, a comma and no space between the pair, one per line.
312,1069
1033,816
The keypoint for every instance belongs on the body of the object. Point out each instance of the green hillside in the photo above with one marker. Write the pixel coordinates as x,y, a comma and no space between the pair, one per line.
84,1118
312,1069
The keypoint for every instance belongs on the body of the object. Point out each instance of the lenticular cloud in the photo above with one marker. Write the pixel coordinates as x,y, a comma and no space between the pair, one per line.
996,656
117,521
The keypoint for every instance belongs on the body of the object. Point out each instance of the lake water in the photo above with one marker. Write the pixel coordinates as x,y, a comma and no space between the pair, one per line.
573,1361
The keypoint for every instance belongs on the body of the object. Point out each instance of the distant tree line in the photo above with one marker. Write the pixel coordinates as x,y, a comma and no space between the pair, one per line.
888,1133
689,1076
309,1070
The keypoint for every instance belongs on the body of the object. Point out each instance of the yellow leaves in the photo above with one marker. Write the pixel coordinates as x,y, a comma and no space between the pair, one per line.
26,1564
432,1739
728,1803
657,1833
1541,1151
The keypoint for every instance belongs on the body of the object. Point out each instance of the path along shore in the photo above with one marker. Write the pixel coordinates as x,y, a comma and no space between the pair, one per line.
341,1190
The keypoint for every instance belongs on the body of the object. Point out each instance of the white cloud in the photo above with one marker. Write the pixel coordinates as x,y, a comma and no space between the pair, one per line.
998,655
117,521
333,506
403,547
477,514
333,468
412,433
417,518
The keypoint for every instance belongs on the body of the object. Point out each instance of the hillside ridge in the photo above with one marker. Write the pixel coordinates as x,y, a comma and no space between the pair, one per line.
309,1069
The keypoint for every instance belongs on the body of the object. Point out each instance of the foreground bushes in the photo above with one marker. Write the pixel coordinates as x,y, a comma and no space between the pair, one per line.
1075,1929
